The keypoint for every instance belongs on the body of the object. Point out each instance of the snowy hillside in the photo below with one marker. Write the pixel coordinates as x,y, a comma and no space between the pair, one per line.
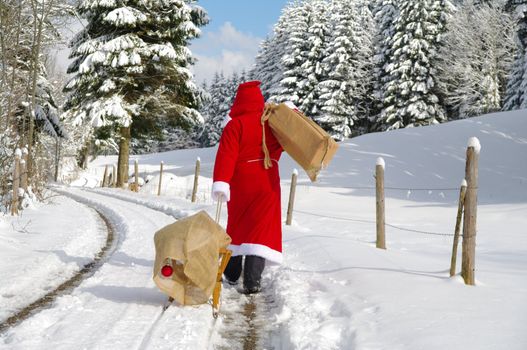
335,290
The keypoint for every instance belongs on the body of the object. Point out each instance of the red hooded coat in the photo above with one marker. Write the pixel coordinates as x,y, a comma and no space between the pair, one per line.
254,209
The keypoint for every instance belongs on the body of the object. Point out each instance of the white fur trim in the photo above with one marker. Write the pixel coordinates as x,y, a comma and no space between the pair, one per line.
272,256
225,121
221,188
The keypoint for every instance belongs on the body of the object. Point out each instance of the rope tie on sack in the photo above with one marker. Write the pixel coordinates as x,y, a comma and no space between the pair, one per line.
265,116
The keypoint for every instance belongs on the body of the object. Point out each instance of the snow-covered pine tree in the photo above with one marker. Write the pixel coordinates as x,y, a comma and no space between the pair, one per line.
516,96
217,109
260,68
411,95
385,14
264,68
233,83
132,61
339,90
268,66
296,46
312,72
244,77
366,67
475,59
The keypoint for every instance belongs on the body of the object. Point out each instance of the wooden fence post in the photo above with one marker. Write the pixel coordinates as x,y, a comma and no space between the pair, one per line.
57,158
23,169
105,176
23,175
379,195
160,179
196,177
16,182
292,192
114,175
468,265
136,175
461,203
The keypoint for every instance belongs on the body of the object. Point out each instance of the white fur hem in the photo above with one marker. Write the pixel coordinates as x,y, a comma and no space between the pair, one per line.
221,188
272,256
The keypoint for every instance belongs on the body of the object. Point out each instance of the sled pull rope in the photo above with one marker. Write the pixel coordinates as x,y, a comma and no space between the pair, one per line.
225,255
218,209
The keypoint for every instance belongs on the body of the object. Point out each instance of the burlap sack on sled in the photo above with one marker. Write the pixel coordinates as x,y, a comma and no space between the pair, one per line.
306,142
191,246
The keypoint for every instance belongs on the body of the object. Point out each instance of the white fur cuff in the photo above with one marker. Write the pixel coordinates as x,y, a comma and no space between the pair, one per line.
220,188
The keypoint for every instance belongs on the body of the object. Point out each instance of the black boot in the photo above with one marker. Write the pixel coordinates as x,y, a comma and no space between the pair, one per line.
252,273
234,269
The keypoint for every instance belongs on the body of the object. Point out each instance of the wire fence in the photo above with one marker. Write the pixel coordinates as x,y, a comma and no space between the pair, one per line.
374,222
393,188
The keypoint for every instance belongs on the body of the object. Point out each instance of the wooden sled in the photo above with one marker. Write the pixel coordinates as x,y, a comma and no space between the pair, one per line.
225,255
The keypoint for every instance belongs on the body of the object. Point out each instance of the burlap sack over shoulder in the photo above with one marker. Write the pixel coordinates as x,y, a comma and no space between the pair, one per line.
306,142
191,246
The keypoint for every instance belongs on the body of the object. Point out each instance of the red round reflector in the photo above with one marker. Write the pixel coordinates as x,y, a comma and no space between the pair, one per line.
167,271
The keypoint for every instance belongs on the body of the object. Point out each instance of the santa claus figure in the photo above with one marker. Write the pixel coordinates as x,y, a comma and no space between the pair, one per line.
252,192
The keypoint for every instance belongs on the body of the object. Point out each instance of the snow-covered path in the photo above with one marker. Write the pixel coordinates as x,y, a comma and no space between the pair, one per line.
116,307
43,248
335,290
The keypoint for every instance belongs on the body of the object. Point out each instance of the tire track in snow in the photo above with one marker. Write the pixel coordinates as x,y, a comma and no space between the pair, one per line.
68,286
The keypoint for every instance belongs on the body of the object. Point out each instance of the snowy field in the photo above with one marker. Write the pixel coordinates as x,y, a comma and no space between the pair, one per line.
335,290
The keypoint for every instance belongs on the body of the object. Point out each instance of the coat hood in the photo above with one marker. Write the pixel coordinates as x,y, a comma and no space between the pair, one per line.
248,99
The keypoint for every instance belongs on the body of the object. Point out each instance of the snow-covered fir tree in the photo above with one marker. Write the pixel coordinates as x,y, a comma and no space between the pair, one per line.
296,46
132,61
475,59
516,96
411,94
315,51
221,96
365,68
385,14
268,66
339,91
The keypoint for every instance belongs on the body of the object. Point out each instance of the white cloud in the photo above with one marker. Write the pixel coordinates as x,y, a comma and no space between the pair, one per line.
226,50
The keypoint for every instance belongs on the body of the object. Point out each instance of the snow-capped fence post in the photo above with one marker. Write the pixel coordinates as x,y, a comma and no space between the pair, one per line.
57,158
379,195
196,177
461,203
292,192
105,176
136,176
160,179
23,168
114,176
16,182
470,217
23,174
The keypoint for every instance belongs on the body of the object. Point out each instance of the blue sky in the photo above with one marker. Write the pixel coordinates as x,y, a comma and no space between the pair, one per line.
228,43
231,39
249,16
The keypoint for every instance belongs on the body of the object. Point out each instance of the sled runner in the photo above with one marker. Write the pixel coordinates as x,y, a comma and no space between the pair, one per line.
191,255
